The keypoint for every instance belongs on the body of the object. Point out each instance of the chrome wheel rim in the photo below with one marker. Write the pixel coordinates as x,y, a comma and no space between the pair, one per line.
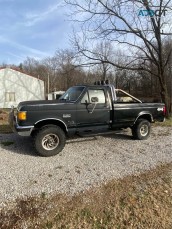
144,130
50,141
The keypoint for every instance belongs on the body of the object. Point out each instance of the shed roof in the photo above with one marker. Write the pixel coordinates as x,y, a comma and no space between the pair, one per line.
18,70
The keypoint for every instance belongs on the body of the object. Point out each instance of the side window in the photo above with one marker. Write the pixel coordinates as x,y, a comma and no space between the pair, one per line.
97,93
85,98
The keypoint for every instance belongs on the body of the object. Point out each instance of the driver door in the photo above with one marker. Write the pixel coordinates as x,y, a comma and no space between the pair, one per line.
93,113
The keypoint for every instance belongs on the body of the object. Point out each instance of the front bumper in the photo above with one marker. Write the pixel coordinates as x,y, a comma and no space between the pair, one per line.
21,130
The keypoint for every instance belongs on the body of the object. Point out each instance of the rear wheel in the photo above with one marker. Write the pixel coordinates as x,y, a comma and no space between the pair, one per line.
49,140
141,130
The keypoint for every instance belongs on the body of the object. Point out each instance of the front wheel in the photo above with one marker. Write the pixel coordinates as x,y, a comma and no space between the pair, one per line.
49,140
141,130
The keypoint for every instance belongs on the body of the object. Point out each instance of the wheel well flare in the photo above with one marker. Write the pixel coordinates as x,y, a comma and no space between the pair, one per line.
59,123
146,116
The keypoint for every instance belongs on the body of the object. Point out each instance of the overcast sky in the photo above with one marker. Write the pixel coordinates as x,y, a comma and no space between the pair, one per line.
34,28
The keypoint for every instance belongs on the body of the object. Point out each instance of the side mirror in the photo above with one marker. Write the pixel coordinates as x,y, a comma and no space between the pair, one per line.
94,100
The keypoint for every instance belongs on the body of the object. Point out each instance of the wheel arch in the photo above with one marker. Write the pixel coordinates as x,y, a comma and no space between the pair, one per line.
51,121
144,115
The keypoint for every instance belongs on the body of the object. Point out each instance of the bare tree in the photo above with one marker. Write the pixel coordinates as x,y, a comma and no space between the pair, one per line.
103,51
35,68
29,65
63,71
66,67
168,72
137,26
59,72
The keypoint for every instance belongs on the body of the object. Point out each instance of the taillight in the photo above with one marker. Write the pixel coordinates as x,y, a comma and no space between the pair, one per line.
164,110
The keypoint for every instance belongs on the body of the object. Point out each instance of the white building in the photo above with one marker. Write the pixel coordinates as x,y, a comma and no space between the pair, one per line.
55,95
16,86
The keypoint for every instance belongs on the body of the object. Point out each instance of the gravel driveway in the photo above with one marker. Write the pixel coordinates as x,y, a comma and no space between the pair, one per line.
82,163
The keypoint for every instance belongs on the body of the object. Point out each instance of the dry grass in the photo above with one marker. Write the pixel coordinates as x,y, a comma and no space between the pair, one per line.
4,126
4,116
168,122
5,129
142,201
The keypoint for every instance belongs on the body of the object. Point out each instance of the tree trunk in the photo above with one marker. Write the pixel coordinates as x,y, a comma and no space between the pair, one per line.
164,96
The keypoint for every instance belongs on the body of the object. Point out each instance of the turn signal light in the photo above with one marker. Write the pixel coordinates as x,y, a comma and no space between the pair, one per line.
21,115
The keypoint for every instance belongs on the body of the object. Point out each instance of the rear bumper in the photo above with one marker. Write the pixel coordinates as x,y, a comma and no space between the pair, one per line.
21,130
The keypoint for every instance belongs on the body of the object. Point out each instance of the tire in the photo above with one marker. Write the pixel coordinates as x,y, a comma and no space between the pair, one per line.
141,130
49,140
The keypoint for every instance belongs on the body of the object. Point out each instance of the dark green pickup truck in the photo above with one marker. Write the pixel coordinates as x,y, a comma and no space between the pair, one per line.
83,110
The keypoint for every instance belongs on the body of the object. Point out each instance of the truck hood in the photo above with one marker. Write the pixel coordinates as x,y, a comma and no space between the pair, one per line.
42,104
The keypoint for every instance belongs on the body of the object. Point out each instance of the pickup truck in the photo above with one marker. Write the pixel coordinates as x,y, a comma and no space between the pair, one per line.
84,109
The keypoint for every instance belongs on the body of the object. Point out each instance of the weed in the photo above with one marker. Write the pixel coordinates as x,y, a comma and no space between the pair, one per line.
48,225
59,216
7,143
43,195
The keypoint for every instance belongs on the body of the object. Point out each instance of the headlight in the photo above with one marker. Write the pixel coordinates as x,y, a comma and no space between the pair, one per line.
21,115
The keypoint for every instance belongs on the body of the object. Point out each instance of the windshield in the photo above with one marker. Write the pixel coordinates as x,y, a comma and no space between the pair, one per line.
72,94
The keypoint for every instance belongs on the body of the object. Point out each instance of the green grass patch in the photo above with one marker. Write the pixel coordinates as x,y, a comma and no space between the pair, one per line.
166,123
142,201
7,143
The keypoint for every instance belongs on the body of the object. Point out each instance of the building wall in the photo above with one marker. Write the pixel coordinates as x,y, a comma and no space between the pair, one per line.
16,87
